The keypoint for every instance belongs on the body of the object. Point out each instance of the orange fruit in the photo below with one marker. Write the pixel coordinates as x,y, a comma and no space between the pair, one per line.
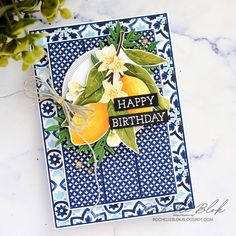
98,124
134,86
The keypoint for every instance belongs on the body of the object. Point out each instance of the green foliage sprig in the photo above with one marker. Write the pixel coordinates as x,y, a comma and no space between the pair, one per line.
132,40
100,147
15,17
62,132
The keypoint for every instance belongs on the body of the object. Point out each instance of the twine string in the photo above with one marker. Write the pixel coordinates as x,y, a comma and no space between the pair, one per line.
73,114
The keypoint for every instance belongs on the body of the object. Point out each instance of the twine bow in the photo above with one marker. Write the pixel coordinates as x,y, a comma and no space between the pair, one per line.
73,113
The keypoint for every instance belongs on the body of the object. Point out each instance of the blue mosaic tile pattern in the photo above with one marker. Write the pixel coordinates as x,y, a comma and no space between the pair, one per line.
126,175
156,180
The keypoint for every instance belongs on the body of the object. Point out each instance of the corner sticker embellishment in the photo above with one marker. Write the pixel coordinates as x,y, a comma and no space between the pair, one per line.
123,153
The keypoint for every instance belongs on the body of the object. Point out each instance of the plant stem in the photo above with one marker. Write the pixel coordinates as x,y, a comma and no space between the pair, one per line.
110,78
16,10
122,37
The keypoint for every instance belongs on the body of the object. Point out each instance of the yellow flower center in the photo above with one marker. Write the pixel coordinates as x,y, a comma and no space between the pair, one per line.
108,60
117,65
113,93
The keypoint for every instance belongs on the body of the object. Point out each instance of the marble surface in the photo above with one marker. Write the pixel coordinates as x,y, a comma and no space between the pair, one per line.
204,44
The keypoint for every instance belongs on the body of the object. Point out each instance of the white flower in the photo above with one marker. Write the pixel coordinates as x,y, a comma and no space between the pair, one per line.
117,67
75,90
112,91
113,139
106,55
110,61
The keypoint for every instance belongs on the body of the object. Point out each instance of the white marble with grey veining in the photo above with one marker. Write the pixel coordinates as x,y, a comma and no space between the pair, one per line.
204,43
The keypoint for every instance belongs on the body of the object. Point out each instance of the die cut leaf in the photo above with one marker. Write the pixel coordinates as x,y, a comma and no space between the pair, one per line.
143,58
127,135
142,74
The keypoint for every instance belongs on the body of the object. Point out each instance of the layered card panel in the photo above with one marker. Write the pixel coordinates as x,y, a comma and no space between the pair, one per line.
155,180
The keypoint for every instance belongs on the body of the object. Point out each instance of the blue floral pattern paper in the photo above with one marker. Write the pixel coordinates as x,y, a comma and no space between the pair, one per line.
156,180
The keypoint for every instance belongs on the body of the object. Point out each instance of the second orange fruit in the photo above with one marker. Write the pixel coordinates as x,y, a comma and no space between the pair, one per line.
134,86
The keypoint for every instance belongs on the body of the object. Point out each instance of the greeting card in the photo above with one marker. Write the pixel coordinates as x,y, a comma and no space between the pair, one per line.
111,121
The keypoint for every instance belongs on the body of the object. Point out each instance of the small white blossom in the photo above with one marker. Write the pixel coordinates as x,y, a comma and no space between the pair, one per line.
75,89
113,139
112,91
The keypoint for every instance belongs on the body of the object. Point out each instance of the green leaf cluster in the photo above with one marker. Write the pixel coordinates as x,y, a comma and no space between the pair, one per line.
99,148
132,39
15,17
50,9
94,90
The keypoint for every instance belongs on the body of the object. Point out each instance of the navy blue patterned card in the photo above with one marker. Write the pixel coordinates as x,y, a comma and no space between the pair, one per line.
141,170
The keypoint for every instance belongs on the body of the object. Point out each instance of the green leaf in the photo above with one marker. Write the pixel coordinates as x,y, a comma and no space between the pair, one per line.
118,28
152,46
127,135
52,18
135,37
33,38
130,34
66,13
49,8
90,160
4,9
143,58
109,149
131,39
62,133
94,80
93,98
68,140
99,152
16,57
22,45
38,52
53,128
83,148
142,74
110,41
34,56
101,44
94,59
28,57
59,141
3,61
100,148
69,144
62,2
113,34
129,44
148,69
19,27
25,66
64,123
27,6
58,119
94,89
9,48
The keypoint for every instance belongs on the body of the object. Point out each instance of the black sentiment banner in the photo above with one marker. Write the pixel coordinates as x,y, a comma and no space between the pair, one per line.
132,102
145,118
